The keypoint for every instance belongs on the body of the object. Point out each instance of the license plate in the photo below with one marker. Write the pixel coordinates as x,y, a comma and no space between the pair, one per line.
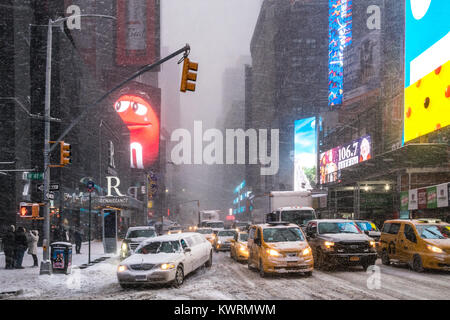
354,258
141,278
292,259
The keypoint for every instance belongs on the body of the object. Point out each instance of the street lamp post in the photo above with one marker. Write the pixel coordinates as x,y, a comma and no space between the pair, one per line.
45,264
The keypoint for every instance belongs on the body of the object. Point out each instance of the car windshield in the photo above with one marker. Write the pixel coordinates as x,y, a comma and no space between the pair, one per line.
241,224
160,247
205,231
338,227
243,237
175,228
226,234
367,226
433,231
141,234
298,217
282,234
215,224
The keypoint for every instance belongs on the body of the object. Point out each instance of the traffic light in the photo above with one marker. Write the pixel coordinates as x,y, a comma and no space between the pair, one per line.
26,211
188,76
65,151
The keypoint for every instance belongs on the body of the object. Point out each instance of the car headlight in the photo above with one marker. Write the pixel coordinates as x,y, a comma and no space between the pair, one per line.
434,249
121,268
167,266
219,242
243,249
372,243
272,252
124,246
328,244
307,251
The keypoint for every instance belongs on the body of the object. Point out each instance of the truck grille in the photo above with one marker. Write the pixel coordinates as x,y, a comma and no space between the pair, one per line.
142,266
351,247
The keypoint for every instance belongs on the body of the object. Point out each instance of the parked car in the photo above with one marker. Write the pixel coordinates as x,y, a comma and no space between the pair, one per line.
165,259
208,233
422,244
134,236
338,241
239,248
223,238
279,247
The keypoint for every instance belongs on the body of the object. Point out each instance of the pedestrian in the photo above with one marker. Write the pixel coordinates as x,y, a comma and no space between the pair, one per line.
78,239
9,244
21,247
33,238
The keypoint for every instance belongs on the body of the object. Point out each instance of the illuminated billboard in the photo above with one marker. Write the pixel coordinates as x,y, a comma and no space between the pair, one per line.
427,67
305,154
339,37
142,120
336,159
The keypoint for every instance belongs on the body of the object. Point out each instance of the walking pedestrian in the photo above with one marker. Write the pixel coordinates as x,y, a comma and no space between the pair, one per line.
9,244
21,247
78,239
33,238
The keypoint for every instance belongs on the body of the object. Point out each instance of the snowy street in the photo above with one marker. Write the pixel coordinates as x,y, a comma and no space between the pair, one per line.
226,280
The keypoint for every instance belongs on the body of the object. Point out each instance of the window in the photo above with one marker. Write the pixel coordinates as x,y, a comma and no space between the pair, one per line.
158,247
391,228
183,244
409,233
251,235
338,227
283,234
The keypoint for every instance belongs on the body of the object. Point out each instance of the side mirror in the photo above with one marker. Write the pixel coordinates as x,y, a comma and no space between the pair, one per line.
366,232
187,250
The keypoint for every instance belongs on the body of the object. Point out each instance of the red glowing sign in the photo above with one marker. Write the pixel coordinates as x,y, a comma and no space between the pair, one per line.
143,123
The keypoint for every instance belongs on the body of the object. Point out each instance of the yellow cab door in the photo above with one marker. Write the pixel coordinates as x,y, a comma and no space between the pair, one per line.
408,243
251,245
390,240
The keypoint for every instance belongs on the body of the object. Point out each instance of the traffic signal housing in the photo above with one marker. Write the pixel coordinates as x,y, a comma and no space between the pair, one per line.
66,153
29,210
188,76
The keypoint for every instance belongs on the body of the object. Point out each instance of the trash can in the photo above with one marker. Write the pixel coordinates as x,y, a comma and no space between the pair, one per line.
61,257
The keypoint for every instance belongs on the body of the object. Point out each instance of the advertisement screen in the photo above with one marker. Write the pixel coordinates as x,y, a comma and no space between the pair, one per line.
333,160
142,120
305,154
427,67
339,37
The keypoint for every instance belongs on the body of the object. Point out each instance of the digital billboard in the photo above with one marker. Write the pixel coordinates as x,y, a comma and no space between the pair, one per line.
305,154
139,111
427,67
339,37
336,159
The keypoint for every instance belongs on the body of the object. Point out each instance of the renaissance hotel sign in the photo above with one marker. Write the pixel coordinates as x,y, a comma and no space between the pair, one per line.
338,158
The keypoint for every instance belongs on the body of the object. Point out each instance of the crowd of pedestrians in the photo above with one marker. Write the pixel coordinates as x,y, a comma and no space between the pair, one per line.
15,245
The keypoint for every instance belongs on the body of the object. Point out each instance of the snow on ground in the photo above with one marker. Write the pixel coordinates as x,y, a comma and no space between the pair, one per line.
228,280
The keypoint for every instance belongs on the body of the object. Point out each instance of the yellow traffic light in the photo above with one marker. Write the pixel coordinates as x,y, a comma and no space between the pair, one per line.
65,151
188,76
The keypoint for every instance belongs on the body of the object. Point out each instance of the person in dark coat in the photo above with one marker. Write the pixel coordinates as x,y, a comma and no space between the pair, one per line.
21,247
78,239
9,245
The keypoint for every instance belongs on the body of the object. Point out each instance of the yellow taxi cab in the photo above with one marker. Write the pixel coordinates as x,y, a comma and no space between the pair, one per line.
279,247
238,247
208,233
421,243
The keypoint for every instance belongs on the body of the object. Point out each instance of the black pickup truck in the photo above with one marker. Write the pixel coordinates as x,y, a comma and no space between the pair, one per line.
338,241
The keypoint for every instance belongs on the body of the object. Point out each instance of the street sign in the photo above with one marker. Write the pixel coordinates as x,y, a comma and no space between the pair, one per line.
50,196
52,187
35,175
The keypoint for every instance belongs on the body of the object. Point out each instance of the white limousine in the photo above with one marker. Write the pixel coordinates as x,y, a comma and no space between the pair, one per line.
165,259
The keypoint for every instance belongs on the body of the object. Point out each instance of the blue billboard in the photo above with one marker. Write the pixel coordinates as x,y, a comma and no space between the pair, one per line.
305,154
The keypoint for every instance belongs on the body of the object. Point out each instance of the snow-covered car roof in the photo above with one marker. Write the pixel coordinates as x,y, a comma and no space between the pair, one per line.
169,237
141,228
277,225
294,208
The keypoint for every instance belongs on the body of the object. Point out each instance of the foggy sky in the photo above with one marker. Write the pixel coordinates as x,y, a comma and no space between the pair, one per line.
219,32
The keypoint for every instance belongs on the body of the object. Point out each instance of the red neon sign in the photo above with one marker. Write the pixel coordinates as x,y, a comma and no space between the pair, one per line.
142,121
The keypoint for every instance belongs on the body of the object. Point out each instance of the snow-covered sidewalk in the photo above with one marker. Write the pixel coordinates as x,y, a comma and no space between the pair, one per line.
29,284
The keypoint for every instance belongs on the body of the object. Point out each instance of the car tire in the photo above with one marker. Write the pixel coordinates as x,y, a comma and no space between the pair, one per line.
385,258
262,273
208,263
417,264
179,277
307,274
